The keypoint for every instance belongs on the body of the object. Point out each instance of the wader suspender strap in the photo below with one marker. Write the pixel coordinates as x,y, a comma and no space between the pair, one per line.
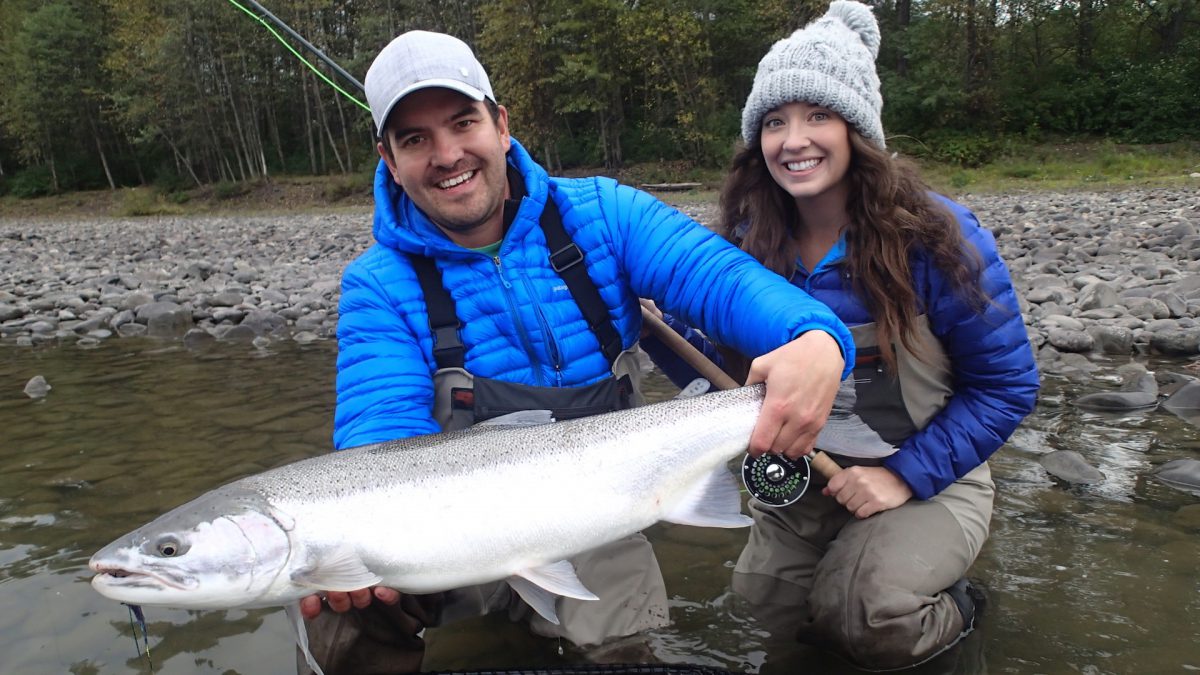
565,258
448,349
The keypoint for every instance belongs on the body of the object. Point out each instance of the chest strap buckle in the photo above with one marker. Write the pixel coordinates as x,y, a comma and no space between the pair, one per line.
566,257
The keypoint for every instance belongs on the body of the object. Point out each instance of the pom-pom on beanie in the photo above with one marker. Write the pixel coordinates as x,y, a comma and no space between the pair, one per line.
829,63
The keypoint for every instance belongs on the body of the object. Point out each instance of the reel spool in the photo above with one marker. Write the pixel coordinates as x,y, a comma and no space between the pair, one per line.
775,480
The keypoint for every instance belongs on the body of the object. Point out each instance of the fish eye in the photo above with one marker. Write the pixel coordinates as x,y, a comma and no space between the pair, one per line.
169,547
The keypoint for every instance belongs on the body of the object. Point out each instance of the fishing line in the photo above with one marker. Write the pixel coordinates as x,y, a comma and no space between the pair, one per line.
300,56
135,612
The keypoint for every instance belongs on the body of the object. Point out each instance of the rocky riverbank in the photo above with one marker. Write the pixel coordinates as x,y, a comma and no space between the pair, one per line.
1106,272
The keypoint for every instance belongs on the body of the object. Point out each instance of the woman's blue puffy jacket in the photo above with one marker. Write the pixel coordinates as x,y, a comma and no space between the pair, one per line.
520,323
995,375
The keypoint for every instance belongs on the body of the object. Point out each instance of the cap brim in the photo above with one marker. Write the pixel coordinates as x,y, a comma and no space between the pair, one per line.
461,87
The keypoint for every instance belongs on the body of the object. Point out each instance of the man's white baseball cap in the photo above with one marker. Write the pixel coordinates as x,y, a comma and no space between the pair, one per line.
418,60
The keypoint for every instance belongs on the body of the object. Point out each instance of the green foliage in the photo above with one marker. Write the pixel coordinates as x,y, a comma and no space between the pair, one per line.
167,181
139,202
1157,101
33,181
49,101
351,185
230,189
968,151
1071,165
190,92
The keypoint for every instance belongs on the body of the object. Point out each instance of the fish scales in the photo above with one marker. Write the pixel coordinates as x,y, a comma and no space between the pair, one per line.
419,458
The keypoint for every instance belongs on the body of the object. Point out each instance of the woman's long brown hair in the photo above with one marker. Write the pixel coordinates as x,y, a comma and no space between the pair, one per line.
891,215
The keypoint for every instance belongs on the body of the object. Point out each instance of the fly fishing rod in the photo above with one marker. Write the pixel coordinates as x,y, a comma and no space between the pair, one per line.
264,16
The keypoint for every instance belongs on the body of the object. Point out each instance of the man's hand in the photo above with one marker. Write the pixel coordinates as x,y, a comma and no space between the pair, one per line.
310,606
802,378
867,490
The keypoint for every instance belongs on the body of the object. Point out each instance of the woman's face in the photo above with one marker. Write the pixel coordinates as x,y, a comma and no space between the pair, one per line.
806,148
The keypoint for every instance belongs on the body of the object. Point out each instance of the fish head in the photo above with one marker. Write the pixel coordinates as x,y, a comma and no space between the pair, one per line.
224,549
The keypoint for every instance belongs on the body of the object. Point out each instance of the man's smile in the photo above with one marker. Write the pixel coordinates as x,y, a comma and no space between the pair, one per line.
456,180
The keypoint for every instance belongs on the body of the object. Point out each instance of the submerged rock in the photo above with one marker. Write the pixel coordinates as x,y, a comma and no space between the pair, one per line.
1182,474
1185,402
37,387
1071,467
1139,392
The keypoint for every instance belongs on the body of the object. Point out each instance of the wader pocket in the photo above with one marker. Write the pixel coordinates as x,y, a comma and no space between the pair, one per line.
880,401
897,405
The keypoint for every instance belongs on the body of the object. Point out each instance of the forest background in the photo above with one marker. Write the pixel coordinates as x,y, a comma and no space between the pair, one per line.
179,94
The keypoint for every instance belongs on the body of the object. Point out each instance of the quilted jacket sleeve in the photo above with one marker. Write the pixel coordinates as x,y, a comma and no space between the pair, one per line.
384,384
995,375
693,273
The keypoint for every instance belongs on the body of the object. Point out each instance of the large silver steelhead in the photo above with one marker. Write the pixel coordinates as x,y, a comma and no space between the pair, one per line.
437,512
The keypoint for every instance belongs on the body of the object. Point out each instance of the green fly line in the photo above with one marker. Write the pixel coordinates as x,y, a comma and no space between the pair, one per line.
298,55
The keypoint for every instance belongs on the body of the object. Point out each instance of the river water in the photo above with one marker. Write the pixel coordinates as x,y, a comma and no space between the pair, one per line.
1103,579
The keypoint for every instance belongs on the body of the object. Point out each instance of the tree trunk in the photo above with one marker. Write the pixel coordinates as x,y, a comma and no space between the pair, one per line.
273,128
323,120
903,19
112,185
241,140
181,160
53,174
337,101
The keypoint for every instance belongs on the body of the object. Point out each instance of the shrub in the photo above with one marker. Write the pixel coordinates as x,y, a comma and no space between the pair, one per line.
30,182
230,189
348,185
143,202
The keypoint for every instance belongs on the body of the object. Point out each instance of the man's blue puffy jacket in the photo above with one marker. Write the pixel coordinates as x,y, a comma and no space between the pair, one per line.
995,375
520,323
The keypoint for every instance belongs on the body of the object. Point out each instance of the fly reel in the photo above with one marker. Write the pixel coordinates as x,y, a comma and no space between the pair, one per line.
775,480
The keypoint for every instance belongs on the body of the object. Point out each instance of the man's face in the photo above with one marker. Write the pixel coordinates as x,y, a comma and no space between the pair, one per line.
448,156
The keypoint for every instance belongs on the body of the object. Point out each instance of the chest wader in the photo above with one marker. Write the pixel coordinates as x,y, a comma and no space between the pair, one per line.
625,574
462,399
872,589
898,405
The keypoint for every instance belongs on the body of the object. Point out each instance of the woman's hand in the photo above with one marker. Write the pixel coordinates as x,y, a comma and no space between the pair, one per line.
867,490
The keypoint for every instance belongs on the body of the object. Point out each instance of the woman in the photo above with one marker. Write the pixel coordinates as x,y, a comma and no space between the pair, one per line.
873,564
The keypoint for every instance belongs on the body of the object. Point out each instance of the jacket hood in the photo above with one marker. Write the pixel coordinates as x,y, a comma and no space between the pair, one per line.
399,224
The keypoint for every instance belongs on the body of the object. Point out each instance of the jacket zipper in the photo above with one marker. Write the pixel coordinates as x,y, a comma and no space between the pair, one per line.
547,334
512,309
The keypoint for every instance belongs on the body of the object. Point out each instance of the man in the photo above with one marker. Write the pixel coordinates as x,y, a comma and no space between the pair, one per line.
494,288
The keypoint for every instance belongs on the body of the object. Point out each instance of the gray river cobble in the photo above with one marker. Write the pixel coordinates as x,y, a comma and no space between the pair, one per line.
1105,272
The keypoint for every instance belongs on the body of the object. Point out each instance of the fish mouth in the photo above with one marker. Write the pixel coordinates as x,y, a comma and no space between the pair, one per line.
115,576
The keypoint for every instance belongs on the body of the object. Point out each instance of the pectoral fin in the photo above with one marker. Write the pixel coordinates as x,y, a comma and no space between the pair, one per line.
541,586
713,502
338,570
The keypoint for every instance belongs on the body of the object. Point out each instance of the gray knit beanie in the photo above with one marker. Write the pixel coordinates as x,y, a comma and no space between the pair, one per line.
830,63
